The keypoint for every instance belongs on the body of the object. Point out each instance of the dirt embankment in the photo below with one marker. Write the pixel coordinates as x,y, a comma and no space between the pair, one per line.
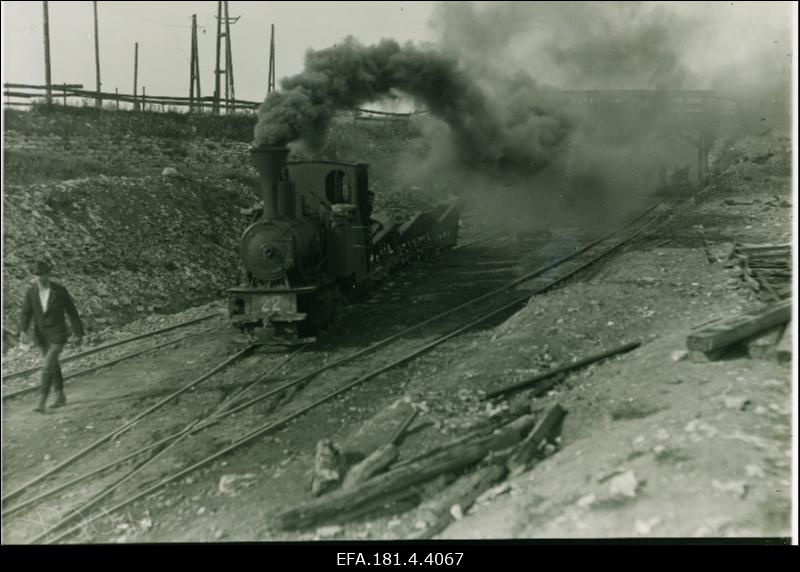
86,192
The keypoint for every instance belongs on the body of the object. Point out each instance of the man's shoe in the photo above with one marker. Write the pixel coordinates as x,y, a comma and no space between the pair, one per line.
60,402
39,409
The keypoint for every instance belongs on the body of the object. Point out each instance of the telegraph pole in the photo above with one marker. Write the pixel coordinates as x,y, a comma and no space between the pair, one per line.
194,71
49,92
135,76
271,73
99,101
230,93
215,105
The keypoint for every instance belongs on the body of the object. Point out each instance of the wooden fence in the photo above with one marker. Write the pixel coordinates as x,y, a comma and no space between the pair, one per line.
686,104
24,95
72,94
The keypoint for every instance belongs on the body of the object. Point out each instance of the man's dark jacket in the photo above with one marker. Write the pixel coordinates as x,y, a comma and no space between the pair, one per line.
49,326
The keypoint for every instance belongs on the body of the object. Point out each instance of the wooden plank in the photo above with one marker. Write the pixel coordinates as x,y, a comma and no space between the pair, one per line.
54,87
764,347
22,94
696,356
762,247
375,463
380,459
437,514
739,328
327,468
764,254
377,431
398,435
546,430
767,286
478,430
340,503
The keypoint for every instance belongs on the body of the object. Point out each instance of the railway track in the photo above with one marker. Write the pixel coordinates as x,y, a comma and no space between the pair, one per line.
110,345
451,323
103,365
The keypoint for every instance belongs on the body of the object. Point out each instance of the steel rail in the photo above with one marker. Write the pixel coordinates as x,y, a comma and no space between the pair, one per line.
106,346
269,426
390,339
34,388
385,341
119,431
185,434
221,408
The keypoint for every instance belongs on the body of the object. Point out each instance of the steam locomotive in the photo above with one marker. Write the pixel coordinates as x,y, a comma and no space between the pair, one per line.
316,243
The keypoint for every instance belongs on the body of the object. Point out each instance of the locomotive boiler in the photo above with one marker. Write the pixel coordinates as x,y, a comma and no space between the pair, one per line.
315,243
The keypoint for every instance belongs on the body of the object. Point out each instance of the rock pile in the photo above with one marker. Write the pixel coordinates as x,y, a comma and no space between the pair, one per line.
124,246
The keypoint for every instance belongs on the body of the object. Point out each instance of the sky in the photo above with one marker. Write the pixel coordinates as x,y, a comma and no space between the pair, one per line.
733,30
163,30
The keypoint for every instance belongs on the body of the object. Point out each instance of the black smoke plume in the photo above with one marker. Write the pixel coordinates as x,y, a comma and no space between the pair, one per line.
524,136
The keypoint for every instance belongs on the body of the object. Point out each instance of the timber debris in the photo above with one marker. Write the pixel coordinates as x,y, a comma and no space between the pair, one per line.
471,465
763,268
761,331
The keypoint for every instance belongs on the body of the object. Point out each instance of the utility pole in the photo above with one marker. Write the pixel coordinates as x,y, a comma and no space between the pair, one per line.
135,76
49,92
271,73
215,105
194,71
230,93
99,101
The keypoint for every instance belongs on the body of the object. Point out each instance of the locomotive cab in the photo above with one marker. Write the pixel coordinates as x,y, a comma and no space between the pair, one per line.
338,193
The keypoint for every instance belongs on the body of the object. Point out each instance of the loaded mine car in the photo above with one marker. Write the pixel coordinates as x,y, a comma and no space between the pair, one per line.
315,242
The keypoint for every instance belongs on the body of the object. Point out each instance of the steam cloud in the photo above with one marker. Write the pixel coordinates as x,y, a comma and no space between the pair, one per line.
524,136
496,120
612,155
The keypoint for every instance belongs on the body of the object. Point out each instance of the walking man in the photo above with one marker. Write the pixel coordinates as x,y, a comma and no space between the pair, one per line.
45,302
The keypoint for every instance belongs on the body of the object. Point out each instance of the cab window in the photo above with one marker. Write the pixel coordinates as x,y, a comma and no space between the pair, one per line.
337,187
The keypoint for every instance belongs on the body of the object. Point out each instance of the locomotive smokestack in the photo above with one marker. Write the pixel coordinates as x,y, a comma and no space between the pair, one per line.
270,162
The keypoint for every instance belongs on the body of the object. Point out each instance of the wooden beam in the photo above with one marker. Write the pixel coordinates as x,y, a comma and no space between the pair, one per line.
764,247
437,513
739,328
375,463
546,430
476,431
53,87
327,468
764,347
340,503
